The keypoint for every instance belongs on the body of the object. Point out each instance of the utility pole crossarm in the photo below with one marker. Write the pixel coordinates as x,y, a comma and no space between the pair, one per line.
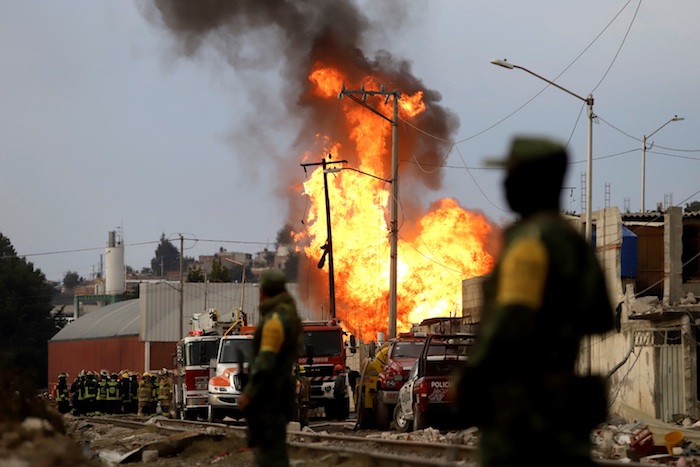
393,230
329,242
364,93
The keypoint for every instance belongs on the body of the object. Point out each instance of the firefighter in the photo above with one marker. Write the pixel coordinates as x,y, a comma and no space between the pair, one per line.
165,392
113,402
90,392
134,392
155,381
145,395
353,376
339,393
101,399
61,394
304,396
76,394
125,392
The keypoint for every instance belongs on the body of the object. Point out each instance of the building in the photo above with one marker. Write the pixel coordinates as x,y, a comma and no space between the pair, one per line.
141,334
652,265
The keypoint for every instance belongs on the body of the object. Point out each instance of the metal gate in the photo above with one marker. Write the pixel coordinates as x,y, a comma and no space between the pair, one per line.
668,356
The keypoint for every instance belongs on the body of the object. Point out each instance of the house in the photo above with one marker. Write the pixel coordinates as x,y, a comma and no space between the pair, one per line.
652,266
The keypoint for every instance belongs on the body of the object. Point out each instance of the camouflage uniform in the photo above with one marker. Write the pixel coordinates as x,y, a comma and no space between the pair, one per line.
545,294
271,387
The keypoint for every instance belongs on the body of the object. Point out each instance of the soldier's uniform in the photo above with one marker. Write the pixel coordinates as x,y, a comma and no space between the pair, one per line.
545,294
271,386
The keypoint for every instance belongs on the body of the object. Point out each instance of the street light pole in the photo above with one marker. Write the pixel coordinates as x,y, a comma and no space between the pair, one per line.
589,156
242,283
675,118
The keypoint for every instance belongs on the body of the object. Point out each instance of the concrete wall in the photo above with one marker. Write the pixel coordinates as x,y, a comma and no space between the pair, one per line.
631,365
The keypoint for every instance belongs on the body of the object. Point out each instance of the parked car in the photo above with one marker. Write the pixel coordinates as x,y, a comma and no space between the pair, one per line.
423,399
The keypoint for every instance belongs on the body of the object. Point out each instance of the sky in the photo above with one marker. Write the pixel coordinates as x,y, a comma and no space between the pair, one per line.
112,119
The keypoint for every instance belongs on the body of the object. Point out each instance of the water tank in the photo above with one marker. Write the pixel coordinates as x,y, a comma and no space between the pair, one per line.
628,255
115,281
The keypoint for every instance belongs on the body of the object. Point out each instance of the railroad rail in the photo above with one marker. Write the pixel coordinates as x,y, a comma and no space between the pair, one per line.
336,448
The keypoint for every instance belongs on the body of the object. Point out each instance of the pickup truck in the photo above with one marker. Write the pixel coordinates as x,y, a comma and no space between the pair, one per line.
423,398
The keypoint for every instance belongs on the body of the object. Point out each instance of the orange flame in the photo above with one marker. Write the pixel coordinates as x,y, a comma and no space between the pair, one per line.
435,253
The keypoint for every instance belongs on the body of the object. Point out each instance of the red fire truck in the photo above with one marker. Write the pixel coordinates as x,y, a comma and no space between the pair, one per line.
193,364
324,352
193,371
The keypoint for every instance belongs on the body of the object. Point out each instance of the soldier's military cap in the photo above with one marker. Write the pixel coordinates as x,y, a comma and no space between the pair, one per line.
273,282
531,150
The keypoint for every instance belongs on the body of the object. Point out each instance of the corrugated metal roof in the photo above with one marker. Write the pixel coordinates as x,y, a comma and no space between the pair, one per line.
114,320
154,317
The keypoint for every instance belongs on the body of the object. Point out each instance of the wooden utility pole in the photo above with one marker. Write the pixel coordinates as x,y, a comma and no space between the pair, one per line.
394,227
329,242
182,286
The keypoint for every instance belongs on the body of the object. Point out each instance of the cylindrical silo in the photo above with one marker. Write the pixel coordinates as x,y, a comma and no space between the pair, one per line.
115,282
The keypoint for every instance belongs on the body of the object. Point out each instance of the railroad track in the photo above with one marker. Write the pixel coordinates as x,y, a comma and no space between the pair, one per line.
332,449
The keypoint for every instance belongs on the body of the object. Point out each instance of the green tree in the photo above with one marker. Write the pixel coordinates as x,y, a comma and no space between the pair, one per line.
71,279
167,258
195,274
219,272
25,313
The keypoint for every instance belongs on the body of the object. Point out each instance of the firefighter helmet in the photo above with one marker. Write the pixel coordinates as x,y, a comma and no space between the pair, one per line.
302,370
63,375
146,374
125,375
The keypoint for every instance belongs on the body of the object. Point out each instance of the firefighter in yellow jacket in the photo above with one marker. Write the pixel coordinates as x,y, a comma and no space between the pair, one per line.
165,391
145,395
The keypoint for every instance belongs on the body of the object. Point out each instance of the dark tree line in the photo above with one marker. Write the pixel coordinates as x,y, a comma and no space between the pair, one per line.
25,312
